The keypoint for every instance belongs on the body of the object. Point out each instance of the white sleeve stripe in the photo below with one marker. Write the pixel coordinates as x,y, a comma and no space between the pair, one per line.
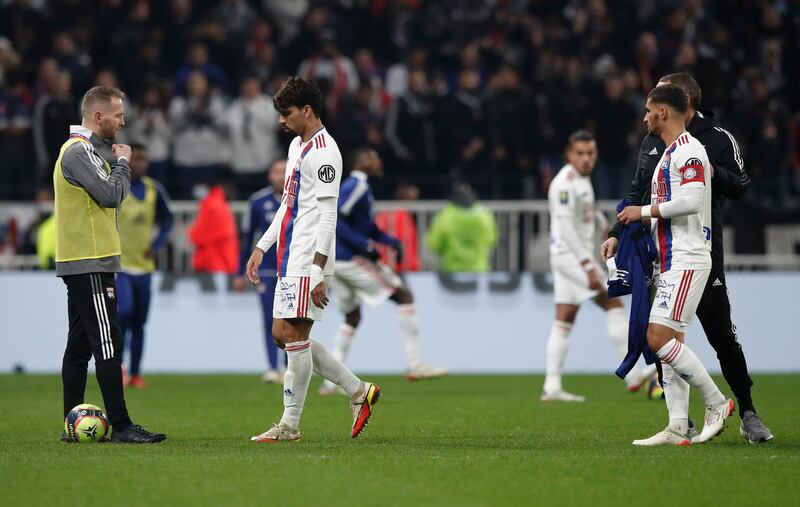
358,191
737,155
96,161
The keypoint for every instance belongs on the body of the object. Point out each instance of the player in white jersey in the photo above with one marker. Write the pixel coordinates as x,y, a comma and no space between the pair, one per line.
304,229
576,275
680,219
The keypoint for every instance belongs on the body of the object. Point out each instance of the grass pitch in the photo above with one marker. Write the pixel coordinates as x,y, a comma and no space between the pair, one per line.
461,441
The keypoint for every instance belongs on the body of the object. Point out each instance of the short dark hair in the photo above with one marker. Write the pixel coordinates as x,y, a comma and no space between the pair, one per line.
356,155
688,84
138,146
669,95
100,94
299,92
579,135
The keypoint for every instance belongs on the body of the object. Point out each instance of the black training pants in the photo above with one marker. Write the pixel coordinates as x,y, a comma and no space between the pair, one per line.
93,330
714,312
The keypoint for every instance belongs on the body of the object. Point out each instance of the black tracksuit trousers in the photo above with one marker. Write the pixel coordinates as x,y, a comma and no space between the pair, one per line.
94,331
714,312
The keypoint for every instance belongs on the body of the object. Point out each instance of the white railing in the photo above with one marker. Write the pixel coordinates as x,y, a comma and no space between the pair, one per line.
523,244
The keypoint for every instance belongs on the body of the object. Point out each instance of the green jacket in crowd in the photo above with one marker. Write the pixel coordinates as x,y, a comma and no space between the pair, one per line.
463,237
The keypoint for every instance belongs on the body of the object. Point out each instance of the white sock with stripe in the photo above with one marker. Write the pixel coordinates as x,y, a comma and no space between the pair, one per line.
557,347
328,366
688,366
341,346
407,315
676,393
299,364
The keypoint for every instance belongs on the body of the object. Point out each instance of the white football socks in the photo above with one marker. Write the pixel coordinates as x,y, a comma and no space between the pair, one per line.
618,333
557,347
407,316
676,392
342,341
295,381
341,347
688,366
327,365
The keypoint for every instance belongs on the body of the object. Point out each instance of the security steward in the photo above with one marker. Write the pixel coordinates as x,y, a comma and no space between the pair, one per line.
88,191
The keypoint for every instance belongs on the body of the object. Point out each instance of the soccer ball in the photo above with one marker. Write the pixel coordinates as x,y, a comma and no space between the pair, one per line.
86,423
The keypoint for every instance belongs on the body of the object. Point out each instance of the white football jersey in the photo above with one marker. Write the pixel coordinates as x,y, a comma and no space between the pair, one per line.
683,242
313,169
571,196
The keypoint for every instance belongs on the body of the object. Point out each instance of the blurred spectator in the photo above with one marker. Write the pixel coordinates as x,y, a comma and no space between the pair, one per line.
264,63
510,132
146,69
8,58
359,122
54,112
197,60
149,127
463,234
252,128
462,131
17,174
24,26
74,59
214,236
45,230
399,223
411,134
613,119
763,124
178,30
198,134
397,77
134,33
237,17
334,72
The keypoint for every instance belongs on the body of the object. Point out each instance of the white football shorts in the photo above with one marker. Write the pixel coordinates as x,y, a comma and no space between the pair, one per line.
677,293
570,283
293,299
360,280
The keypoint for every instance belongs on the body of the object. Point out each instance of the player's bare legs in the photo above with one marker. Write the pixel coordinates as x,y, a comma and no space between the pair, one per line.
618,333
557,348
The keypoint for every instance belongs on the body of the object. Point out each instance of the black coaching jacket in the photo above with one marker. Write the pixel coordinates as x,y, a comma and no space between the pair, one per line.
729,182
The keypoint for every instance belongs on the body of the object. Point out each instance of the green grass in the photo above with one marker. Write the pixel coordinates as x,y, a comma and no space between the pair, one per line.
462,440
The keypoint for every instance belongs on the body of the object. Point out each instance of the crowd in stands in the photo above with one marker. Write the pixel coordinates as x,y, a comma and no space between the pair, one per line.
484,91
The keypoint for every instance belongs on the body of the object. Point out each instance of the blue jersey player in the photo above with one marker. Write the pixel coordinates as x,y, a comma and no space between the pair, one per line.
145,220
261,211
360,276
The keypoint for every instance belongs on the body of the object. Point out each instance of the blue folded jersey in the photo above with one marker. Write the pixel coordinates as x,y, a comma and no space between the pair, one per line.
634,262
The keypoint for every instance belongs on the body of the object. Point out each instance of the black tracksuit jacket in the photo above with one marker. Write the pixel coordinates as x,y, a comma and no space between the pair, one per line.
729,182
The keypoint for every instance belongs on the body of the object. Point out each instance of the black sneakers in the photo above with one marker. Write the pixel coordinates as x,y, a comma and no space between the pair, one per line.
135,434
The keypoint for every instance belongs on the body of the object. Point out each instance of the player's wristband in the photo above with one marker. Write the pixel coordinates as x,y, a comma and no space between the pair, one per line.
316,276
647,211
120,159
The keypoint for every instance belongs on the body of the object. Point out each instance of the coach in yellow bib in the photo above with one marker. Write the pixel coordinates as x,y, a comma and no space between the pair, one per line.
88,191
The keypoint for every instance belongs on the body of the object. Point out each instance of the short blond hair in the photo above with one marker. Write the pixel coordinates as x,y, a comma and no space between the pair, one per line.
99,94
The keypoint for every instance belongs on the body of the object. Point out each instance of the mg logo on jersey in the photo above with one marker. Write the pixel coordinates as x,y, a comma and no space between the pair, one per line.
326,173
